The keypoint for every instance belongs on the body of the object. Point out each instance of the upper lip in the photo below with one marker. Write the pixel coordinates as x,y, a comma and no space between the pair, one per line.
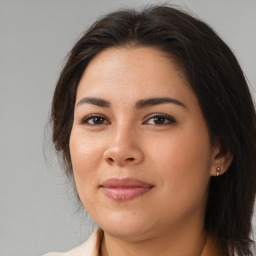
125,183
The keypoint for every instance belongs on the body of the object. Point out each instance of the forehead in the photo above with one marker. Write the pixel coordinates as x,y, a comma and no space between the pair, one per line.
132,71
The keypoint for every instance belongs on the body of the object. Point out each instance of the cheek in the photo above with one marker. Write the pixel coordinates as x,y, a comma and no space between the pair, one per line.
86,155
183,163
182,150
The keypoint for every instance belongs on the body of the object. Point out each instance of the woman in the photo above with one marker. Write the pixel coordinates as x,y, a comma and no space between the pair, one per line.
153,118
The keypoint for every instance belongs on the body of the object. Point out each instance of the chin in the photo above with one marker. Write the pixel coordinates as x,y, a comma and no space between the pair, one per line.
127,227
130,234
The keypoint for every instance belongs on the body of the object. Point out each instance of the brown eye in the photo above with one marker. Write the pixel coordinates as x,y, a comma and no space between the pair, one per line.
95,120
160,120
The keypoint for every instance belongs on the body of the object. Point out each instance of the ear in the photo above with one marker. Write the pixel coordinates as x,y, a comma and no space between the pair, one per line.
221,160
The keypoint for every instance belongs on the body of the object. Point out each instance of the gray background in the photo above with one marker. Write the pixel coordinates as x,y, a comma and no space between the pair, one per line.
38,210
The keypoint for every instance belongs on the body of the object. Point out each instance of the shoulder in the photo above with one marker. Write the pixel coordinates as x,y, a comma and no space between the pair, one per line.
89,248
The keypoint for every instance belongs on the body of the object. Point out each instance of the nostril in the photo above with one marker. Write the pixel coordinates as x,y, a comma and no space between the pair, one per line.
130,159
110,159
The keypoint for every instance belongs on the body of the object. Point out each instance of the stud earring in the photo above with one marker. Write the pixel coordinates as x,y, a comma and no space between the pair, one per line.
218,171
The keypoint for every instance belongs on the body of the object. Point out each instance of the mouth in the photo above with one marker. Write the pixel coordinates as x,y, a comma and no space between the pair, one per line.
125,189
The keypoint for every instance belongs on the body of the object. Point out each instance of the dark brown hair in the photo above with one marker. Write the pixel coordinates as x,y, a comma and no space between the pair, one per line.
220,86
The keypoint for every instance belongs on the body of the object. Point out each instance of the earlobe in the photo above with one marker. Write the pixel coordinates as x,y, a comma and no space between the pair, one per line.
221,163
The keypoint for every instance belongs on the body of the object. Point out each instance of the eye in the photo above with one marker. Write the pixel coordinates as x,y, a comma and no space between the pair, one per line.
159,119
94,120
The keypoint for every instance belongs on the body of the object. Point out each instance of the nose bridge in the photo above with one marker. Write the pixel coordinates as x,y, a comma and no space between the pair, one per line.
122,135
123,146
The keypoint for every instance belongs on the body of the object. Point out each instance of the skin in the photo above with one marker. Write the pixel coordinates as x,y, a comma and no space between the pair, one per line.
172,153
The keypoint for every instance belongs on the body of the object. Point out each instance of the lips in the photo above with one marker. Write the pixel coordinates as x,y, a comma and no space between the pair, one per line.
125,189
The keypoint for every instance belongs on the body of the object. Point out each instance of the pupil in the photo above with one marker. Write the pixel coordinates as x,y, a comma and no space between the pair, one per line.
98,120
159,120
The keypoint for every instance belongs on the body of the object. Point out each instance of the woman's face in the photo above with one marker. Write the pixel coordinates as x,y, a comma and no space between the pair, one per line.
139,145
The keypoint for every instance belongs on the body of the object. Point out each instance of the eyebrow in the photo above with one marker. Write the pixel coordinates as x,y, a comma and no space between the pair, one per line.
94,101
139,104
157,101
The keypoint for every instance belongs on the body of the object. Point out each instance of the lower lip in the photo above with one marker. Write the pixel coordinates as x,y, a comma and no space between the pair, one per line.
125,194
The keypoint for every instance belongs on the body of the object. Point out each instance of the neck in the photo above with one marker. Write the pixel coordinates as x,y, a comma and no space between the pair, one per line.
184,242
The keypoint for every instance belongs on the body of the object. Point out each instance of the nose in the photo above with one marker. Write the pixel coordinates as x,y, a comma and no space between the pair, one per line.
123,148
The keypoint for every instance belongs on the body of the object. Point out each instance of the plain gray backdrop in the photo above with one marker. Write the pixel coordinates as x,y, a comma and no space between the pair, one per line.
38,211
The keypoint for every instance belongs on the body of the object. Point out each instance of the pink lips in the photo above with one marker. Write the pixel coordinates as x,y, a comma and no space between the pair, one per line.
125,189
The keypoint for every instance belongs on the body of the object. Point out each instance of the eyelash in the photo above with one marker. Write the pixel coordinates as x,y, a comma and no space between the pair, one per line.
170,120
